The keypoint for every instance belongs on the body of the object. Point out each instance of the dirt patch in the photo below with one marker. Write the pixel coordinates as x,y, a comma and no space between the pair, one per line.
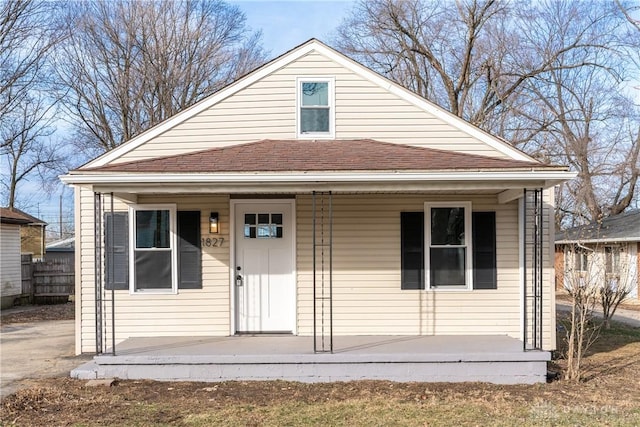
36,313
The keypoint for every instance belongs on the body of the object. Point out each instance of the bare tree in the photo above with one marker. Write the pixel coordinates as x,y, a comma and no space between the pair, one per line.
26,146
594,131
619,280
548,76
129,65
582,284
470,57
27,37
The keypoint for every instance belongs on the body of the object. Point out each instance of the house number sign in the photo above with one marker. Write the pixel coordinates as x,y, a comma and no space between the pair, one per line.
212,242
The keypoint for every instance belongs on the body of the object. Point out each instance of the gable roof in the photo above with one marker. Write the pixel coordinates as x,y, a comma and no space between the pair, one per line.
287,58
617,228
319,155
16,216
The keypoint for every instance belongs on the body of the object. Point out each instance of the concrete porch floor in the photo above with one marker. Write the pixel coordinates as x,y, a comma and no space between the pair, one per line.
497,359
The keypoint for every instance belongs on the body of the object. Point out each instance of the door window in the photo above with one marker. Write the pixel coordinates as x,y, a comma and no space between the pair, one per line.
263,226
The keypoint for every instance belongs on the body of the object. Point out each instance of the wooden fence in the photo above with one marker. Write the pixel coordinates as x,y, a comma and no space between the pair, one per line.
47,282
27,279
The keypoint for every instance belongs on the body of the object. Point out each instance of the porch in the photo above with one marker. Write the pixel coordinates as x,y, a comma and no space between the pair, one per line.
489,358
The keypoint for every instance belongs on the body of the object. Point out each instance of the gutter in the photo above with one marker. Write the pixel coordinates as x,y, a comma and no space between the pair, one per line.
551,178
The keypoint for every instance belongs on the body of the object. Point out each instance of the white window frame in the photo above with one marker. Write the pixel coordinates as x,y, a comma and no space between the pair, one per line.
468,245
611,252
581,256
172,246
332,111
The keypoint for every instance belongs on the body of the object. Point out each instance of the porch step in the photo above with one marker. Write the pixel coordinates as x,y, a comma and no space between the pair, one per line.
225,360
86,371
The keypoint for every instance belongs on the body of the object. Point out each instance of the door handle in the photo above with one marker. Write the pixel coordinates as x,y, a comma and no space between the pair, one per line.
238,280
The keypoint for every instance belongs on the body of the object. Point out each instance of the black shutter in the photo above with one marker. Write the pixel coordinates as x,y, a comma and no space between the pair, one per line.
116,228
412,250
484,250
189,254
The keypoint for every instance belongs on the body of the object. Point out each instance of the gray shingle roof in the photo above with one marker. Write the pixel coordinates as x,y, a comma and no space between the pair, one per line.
621,227
319,155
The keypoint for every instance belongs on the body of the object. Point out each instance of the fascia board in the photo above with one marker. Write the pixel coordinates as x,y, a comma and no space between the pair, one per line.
261,177
605,240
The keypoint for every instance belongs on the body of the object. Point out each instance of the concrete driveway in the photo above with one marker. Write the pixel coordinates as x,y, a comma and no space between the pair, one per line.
36,350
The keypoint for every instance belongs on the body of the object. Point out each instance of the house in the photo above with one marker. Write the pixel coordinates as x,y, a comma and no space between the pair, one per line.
612,244
10,261
32,234
62,250
316,200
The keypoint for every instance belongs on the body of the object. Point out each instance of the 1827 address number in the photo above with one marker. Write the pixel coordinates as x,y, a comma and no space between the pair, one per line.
210,242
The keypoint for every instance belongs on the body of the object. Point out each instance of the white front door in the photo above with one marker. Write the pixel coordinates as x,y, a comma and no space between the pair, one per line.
264,266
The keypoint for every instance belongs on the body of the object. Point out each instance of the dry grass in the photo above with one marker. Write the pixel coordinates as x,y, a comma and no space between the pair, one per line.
610,395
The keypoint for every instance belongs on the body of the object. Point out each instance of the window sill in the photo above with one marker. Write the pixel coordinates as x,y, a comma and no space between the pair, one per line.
154,292
449,289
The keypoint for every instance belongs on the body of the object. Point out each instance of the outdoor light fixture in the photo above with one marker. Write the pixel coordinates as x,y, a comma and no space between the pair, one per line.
214,228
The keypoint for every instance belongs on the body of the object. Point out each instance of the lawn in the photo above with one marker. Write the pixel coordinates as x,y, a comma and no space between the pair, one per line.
610,395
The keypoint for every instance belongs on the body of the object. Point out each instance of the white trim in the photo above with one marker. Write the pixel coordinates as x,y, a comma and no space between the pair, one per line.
468,245
604,240
332,107
78,275
171,207
232,245
262,177
282,61
232,266
521,234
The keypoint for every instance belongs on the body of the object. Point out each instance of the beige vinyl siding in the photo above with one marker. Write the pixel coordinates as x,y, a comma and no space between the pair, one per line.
197,312
267,110
10,262
367,295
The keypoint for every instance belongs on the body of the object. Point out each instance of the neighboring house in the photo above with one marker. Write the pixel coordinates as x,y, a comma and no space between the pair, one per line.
315,192
62,250
32,235
10,260
606,249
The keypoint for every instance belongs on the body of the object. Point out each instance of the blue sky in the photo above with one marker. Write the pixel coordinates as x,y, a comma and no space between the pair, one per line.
286,24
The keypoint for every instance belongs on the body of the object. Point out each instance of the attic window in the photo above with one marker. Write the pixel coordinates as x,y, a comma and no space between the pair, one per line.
315,107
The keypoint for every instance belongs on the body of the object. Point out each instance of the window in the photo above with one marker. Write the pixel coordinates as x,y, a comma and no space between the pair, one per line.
117,260
612,261
448,238
315,107
580,260
449,225
263,226
154,260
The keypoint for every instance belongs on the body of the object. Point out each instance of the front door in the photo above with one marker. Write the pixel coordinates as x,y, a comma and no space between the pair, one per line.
264,267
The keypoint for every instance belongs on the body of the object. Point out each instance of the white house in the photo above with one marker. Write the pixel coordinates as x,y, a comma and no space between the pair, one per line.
10,261
607,250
